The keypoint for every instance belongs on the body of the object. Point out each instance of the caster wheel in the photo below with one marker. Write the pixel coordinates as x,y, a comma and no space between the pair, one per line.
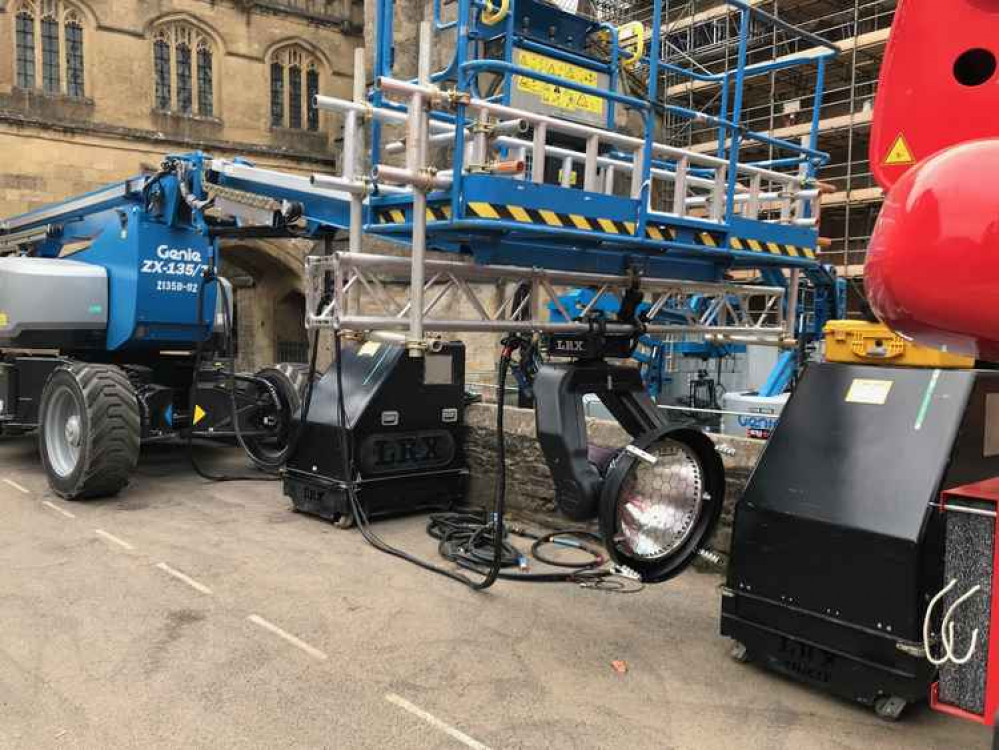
739,653
345,521
889,707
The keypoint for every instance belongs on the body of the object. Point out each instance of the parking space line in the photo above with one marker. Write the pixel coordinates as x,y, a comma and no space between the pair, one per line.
113,539
185,578
297,642
435,722
16,486
57,509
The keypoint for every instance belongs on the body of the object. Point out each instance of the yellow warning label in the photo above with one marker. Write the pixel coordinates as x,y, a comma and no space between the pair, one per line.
899,154
874,392
4,321
557,96
199,414
573,177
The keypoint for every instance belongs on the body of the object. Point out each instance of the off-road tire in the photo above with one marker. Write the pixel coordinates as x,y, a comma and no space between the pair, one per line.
109,429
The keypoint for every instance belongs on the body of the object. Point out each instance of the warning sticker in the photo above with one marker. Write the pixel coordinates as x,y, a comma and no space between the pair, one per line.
199,414
4,321
368,349
899,154
553,99
863,391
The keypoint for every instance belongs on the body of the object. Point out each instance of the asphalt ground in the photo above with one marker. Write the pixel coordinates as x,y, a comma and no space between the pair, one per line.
190,614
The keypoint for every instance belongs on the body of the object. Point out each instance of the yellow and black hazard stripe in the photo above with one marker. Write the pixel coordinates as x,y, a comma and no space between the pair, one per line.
658,232
508,212
665,233
771,248
439,212
653,231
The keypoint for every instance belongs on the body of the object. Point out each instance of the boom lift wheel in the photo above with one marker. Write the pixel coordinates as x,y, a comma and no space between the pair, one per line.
89,430
290,380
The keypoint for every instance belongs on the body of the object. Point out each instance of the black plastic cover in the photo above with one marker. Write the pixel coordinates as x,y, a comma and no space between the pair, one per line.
835,545
404,423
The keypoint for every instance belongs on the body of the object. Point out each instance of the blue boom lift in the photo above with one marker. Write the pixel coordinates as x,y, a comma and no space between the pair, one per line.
119,291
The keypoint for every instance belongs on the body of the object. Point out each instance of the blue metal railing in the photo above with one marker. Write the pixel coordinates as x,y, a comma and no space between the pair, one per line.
466,65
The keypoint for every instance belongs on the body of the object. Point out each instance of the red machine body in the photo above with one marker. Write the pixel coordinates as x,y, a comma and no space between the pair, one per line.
938,83
933,264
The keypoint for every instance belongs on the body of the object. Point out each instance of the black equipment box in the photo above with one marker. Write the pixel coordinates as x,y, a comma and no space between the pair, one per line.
404,428
836,547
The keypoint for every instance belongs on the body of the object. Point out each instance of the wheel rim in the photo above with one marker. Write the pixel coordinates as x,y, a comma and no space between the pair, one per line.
63,431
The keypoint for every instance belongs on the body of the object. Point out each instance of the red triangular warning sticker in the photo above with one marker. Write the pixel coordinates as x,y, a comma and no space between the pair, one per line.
899,154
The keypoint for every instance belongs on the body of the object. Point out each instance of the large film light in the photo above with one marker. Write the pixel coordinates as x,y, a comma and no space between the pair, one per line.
661,501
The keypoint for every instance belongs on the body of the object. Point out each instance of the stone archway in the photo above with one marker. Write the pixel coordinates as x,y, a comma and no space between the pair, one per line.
291,341
268,280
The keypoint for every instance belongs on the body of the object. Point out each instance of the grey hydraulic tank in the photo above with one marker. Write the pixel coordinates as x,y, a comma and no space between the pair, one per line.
51,302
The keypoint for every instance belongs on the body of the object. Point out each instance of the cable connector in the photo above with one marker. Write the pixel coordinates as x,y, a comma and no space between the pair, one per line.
625,572
710,555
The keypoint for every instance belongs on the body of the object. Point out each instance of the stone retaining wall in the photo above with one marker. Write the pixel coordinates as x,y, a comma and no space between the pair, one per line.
530,489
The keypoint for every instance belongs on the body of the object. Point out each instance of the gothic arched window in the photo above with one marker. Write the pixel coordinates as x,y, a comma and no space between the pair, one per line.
294,85
183,70
48,38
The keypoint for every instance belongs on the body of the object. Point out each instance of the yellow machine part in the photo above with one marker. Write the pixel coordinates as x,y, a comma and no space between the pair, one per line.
861,342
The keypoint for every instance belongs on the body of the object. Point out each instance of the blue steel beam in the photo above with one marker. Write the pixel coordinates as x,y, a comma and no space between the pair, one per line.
73,209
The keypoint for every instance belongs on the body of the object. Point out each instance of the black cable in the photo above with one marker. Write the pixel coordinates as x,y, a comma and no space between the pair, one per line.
262,463
556,538
229,336
472,539
198,353
465,538
294,440
495,527
231,360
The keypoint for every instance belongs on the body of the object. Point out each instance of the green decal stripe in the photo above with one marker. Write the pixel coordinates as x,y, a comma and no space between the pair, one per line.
924,407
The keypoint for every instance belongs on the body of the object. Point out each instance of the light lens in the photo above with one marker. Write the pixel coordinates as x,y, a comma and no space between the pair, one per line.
660,502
